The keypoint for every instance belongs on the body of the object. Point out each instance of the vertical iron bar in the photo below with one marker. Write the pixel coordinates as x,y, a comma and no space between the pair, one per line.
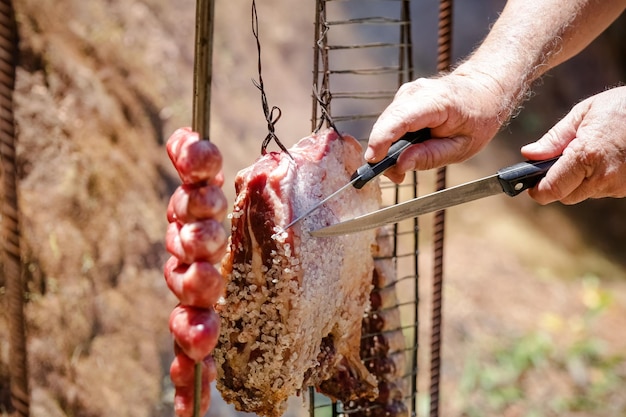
11,252
320,48
203,67
407,74
201,115
406,56
443,64
325,87
312,394
316,61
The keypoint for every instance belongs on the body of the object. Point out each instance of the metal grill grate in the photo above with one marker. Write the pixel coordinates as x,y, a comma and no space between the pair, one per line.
362,54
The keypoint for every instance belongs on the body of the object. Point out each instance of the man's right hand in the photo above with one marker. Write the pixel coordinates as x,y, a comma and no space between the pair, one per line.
464,111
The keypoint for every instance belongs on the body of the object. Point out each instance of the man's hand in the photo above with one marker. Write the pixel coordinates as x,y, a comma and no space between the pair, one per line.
592,141
465,109
462,110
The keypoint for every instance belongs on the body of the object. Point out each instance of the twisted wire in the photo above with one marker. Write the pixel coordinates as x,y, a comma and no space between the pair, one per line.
11,254
444,44
320,57
271,115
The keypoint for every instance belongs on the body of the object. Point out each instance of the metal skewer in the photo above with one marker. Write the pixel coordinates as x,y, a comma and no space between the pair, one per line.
203,71
203,67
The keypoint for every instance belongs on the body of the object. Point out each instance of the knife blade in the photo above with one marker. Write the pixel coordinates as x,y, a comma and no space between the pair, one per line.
369,171
511,180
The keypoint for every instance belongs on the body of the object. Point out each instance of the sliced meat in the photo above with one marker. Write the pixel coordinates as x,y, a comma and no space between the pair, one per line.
294,304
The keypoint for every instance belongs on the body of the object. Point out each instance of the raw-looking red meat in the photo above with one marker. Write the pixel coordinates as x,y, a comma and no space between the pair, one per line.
196,240
294,304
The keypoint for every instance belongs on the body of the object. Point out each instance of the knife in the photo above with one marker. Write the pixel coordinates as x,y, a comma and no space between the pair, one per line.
511,181
369,171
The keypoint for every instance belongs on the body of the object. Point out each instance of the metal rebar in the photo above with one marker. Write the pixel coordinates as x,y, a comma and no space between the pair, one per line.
11,252
443,64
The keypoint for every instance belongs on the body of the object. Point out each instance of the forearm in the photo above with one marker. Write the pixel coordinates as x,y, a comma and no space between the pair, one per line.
530,37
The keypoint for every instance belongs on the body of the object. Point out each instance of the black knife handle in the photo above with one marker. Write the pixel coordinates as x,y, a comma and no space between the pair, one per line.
523,175
369,171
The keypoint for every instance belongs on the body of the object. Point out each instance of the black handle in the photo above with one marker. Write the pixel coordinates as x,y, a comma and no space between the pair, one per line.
524,175
369,171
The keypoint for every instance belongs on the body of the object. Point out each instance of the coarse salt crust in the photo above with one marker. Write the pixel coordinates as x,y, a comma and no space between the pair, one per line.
286,291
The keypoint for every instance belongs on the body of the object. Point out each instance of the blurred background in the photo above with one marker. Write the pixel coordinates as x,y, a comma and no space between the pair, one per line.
535,297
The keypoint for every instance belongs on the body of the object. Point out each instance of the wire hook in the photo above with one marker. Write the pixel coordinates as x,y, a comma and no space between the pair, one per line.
271,116
324,101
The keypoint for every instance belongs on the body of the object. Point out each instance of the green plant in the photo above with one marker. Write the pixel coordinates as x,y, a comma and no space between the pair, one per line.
557,369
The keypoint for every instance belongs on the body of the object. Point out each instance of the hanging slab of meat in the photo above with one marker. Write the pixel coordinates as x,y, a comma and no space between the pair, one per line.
294,304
